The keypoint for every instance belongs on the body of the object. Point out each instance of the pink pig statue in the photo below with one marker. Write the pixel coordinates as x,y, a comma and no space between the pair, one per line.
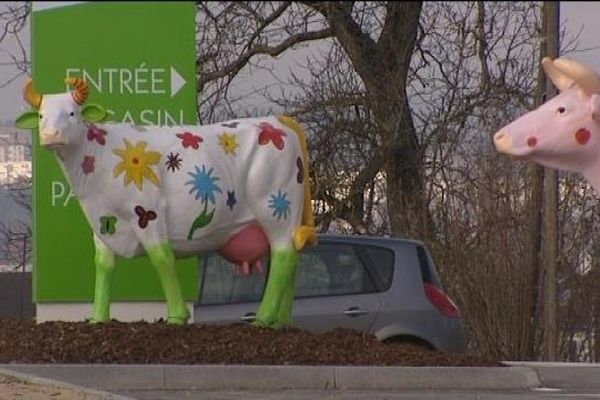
564,132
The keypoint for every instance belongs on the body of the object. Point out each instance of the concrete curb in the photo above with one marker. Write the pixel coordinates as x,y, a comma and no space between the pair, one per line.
565,375
36,380
116,377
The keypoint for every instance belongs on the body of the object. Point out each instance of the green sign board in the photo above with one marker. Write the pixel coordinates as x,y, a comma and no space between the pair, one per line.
138,59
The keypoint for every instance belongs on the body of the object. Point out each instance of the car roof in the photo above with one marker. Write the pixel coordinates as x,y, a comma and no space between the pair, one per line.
368,239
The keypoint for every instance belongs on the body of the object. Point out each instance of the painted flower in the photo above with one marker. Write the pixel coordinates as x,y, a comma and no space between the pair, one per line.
188,139
268,133
203,184
97,134
231,199
87,165
232,124
300,174
136,164
173,162
228,142
144,216
280,205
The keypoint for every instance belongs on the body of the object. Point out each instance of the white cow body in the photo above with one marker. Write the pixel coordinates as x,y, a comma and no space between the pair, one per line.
240,187
253,173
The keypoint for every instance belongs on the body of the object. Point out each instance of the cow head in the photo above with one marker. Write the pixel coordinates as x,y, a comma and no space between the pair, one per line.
59,117
563,133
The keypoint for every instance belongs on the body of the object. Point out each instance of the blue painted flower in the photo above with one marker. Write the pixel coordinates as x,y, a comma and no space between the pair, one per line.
203,184
280,205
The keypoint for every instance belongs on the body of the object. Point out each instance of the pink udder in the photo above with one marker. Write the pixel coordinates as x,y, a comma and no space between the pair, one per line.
246,248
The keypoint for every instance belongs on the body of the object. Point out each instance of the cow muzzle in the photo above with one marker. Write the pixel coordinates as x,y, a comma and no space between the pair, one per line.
52,139
503,142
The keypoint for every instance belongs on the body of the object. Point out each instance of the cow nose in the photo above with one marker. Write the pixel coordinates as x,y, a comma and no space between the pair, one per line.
502,141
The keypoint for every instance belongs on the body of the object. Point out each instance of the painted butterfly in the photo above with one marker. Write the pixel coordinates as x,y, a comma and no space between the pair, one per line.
108,224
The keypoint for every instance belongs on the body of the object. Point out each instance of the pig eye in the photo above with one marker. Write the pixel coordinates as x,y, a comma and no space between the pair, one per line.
561,110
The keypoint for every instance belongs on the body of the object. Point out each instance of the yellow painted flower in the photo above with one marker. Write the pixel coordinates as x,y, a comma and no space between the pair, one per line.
228,143
136,164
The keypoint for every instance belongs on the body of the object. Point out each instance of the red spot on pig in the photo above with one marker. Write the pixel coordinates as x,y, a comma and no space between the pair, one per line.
532,141
582,136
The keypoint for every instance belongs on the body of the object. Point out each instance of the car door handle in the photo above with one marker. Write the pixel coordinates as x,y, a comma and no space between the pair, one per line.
355,312
250,317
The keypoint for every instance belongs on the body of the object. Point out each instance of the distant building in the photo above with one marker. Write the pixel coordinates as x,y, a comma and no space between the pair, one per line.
15,165
15,155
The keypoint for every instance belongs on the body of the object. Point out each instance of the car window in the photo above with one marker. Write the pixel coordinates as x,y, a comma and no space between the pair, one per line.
222,284
427,270
381,265
327,269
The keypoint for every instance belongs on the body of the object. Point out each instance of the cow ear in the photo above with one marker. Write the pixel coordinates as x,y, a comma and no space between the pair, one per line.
93,113
595,107
28,120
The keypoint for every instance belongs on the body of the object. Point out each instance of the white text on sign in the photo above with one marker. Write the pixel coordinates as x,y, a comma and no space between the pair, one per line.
137,80
61,194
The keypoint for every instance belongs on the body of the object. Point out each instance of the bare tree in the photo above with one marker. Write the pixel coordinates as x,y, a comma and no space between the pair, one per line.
13,16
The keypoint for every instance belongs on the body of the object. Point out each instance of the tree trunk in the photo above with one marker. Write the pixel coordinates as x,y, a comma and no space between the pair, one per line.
551,14
383,66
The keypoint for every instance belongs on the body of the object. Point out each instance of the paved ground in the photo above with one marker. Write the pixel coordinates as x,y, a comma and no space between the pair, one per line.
364,395
522,381
17,386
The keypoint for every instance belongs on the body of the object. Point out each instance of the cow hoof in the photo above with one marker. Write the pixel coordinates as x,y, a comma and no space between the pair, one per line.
94,321
176,321
272,325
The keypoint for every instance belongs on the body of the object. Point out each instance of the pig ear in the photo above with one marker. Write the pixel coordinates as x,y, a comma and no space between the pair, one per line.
595,107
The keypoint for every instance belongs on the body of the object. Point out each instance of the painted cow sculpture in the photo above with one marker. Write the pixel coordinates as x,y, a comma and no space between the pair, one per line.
564,132
240,187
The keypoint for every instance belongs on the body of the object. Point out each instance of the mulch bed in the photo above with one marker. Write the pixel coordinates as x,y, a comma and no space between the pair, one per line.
24,341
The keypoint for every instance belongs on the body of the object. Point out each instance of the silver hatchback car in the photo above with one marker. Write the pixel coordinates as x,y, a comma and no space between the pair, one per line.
383,286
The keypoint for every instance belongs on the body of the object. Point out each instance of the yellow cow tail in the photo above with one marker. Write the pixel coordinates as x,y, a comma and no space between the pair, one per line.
305,234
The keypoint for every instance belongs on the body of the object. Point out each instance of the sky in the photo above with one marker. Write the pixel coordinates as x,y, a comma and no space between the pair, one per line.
575,17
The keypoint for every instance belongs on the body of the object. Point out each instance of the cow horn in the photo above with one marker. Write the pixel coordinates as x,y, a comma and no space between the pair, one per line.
31,96
81,92
564,73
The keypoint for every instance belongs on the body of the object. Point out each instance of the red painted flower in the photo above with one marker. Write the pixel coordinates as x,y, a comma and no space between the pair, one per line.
97,134
87,165
268,133
188,139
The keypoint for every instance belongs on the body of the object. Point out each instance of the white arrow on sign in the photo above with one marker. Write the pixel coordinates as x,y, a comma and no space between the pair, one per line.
177,82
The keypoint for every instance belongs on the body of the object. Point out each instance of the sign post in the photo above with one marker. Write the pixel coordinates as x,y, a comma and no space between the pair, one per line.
138,60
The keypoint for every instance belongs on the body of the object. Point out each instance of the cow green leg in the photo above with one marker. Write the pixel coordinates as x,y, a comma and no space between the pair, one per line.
105,267
163,260
275,309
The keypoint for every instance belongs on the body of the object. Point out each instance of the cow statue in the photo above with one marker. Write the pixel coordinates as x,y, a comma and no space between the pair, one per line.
239,187
564,132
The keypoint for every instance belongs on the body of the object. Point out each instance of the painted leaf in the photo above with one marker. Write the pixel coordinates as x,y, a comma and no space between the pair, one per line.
201,221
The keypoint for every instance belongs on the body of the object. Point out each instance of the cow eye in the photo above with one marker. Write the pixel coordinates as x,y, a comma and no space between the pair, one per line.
561,110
